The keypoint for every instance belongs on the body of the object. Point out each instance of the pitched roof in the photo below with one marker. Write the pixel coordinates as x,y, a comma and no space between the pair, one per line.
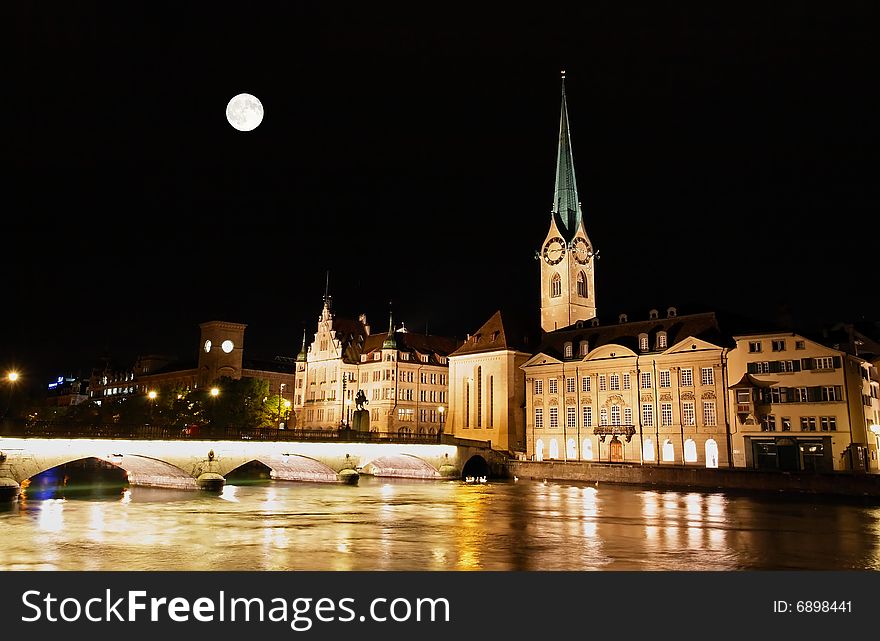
412,342
497,333
677,328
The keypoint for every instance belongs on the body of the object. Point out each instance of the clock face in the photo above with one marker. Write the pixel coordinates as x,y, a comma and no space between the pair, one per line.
581,250
226,346
207,346
554,250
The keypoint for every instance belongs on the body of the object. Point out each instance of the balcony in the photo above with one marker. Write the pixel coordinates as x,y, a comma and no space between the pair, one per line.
626,431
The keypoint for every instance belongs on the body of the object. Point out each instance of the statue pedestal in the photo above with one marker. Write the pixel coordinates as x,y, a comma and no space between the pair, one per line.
360,421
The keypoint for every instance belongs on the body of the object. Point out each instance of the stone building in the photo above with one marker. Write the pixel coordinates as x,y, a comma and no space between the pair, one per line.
403,375
798,404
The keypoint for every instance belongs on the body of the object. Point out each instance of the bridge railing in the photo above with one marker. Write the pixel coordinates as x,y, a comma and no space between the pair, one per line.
47,429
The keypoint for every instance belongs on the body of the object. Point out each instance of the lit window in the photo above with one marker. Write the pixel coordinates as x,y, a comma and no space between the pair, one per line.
588,416
690,451
665,378
539,417
687,377
661,340
555,286
553,385
585,384
602,385
666,413
568,350
570,385
539,386
615,414
643,342
571,417
688,413
707,376
615,381
554,417
645,379
626,381
582,285
647,414
709,415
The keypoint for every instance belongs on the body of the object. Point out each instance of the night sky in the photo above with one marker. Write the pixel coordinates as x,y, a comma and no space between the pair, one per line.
725,160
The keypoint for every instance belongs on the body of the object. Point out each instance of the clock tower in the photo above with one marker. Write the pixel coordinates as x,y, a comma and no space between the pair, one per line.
566,255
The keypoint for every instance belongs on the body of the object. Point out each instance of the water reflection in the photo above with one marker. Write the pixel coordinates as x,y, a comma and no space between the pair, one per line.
399,524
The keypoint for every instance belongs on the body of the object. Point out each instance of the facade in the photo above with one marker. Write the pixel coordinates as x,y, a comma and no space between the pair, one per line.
65,391
403,375
487,387
801,405
220,354
649,391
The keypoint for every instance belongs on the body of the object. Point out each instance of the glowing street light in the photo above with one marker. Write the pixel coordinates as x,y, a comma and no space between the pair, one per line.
12,376
215,391
152,395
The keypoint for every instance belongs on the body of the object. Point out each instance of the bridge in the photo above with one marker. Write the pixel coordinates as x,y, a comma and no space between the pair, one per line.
174,458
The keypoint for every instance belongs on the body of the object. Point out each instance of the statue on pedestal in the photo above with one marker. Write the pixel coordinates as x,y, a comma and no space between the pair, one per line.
361,419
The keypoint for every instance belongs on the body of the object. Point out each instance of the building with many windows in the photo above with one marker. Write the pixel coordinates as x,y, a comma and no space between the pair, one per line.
798,404
403,375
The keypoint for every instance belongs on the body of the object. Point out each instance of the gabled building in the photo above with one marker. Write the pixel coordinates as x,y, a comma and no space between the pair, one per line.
403,375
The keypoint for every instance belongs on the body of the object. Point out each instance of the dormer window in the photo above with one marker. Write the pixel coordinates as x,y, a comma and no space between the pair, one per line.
404,357
494,335
377,356
661,340
424,358
653,314
621,318
363,358
584,348
442,360
567,350
476,338
643,342
594,322
671,312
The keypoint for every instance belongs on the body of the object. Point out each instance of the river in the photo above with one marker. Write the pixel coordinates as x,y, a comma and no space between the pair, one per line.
396,524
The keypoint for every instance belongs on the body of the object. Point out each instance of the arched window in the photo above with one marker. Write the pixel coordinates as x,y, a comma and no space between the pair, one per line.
711,453
587,454
568,350
585,348
668,451
582,285
555,286
648,450
539,450
690,451
571,446
554,449
643,342
661,340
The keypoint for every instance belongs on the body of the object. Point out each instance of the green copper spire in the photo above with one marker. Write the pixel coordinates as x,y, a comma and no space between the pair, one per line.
303,353
566,208
390,342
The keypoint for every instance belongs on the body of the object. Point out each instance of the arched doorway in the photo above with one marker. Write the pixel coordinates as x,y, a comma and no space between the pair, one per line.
539,450
588,450
668,452
571,449
616,449
475,467
554,449
711,453
690,451
648,450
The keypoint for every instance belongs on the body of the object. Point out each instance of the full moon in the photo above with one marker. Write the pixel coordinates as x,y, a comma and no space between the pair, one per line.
244,112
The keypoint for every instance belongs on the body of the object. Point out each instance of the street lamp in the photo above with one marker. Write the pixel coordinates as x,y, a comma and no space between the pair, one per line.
152,396
348,412
11,377
441,409
280,393
215,392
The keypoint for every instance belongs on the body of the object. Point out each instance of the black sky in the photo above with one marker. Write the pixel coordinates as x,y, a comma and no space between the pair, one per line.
726,158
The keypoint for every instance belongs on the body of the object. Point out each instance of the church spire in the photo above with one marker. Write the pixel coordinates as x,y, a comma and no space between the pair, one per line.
390,342
566,208
303,353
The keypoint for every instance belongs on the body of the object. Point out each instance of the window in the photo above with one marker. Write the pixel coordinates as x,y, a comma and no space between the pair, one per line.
626,382
491,401
584,348
828,423
603,416
666,413
824,362
568,350
707,376
555,286
661,340
647,414
645,379
467,404
690,451
585,384
665,378
786,423
688,413
615,381
424,358
615,414
777,345
324,346
754,346
407,415
602,385
648,450
582,285
768,423
571,417
539,417
554,418
800,345
627,416
687,377
377,356
786,366
588,416
643,342
570,386
479,377
832,393
802,394
539,386
808,423
668,451
404,356
710,418
553,385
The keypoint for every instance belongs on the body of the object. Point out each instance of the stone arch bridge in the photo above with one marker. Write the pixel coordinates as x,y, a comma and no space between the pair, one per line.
195,464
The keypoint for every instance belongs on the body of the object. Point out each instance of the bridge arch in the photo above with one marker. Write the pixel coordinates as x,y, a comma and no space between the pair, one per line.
401,465
293,467
139,470
476,467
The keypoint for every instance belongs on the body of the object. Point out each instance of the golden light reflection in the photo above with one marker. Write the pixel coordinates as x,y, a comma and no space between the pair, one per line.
52,515
471,505
126,496
228,493
96,523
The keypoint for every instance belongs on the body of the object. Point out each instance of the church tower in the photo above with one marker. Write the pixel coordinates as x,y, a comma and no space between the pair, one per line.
566,255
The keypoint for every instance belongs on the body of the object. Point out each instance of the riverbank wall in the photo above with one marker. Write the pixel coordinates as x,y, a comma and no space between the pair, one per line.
679,476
